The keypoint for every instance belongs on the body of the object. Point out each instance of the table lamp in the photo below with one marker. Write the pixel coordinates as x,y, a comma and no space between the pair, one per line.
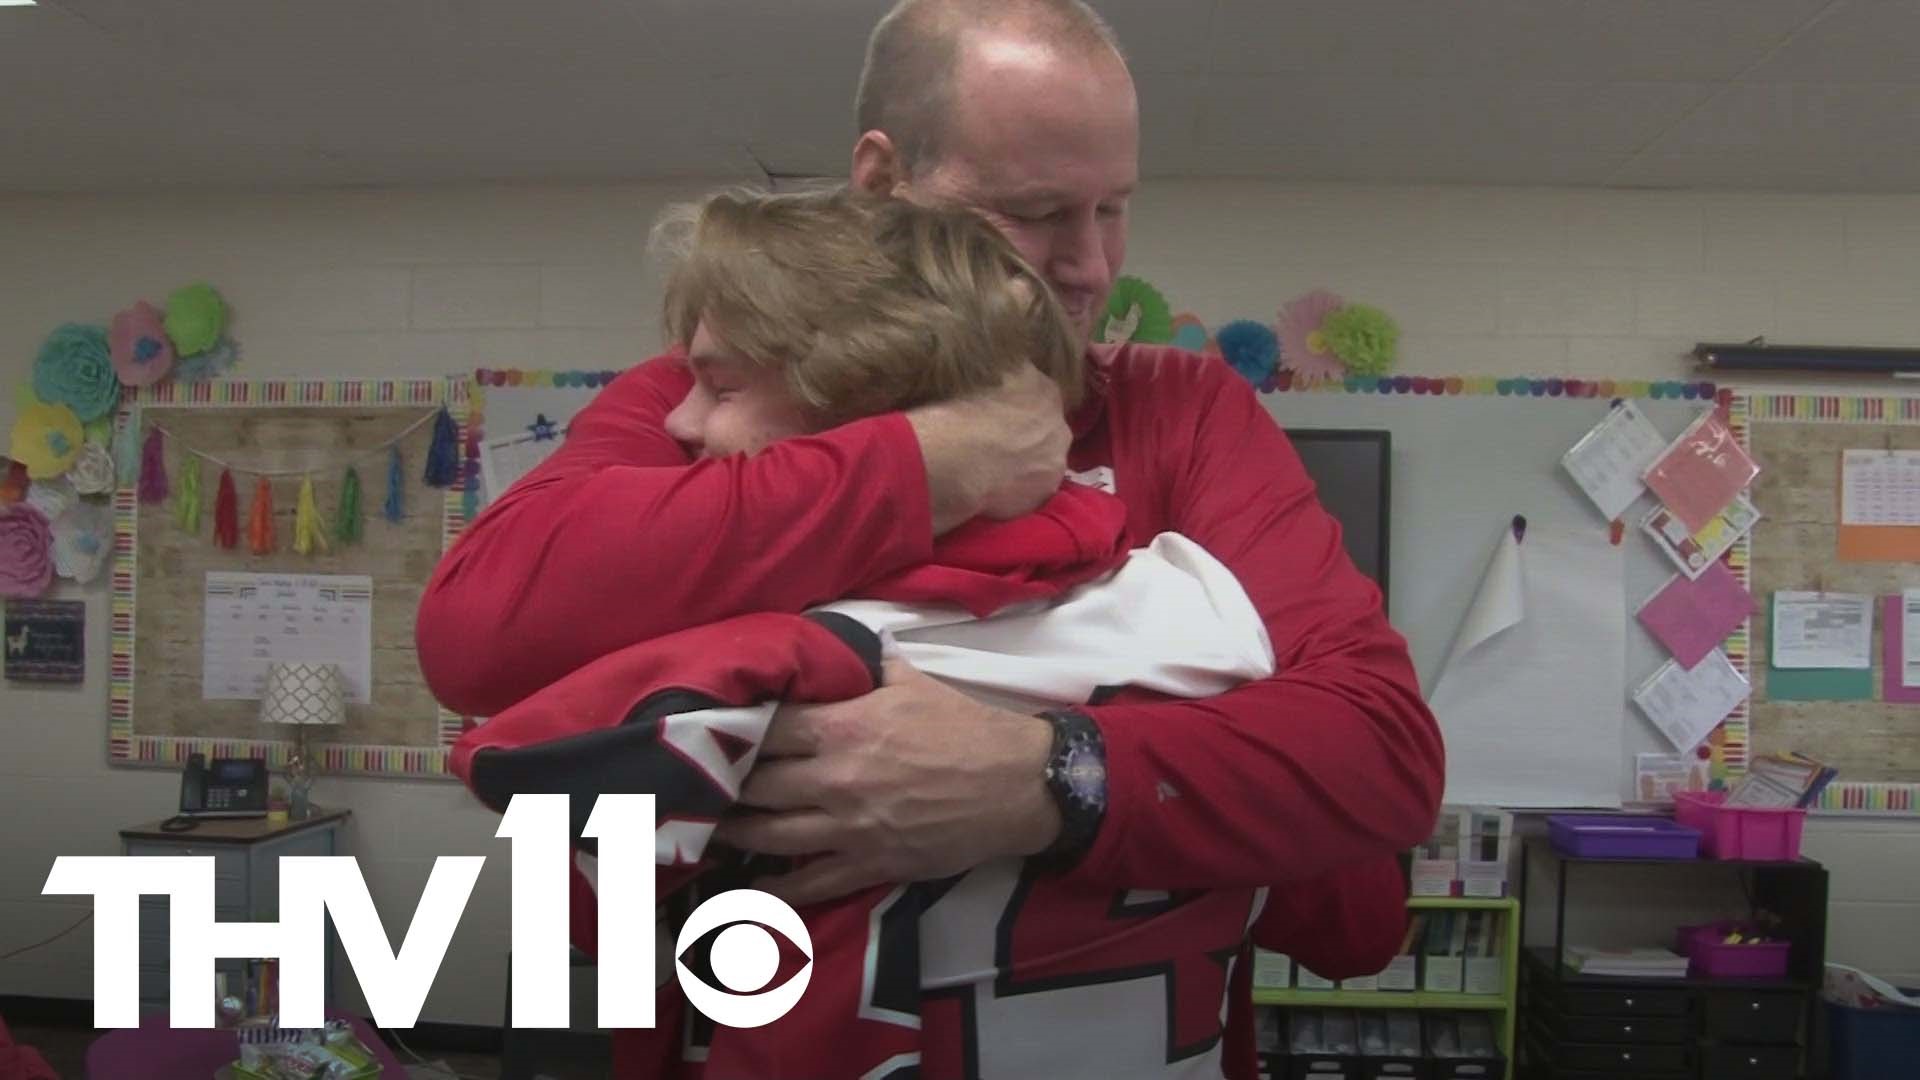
304,695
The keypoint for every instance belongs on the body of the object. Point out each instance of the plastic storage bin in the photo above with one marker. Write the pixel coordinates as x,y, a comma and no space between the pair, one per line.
1761,834
1873,1044
1622,836
1709,957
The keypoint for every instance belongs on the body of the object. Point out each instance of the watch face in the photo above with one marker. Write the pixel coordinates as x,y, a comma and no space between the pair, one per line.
1085,772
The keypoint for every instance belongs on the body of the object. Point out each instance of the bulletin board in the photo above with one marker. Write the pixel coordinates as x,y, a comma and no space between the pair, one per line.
158,714
1798,440
1468,455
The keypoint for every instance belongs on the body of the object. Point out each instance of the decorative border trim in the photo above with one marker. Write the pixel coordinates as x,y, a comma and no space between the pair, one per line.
1895,798
1504,386
123,745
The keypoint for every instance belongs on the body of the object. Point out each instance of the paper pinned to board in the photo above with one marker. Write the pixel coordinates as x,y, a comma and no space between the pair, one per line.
1529,696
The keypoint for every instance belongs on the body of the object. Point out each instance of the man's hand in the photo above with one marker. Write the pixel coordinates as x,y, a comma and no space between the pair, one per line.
1000,453
912,782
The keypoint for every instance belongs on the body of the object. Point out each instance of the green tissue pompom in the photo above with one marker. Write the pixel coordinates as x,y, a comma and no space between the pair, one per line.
1365,338
1135,311
195,318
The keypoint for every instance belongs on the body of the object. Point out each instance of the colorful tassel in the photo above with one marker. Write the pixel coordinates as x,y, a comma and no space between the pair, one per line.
307,533
260,535
395,507
186,497
443,459
346,521
226,513
153,469
126,450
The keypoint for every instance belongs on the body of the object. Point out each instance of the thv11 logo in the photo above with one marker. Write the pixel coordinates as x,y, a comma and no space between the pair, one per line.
744,955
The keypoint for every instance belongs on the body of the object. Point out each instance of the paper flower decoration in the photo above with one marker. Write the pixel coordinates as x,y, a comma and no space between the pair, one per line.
203,366
26,552
75,369
82,540
52,499
1303,343
92,471
1363,337
1135,311
196,316
1189,332
142,355
47,438
1251,347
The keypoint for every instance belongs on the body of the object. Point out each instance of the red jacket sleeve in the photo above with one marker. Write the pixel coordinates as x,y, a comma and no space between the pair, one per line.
579,558
1335,758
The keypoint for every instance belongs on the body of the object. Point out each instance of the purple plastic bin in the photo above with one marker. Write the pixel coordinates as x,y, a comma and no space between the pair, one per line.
1708,957
1759,833
1622,836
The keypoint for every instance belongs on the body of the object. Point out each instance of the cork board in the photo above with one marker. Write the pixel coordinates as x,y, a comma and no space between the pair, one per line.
1798,439
159,714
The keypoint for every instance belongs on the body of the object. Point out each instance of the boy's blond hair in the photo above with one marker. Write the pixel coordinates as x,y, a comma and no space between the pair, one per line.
869,305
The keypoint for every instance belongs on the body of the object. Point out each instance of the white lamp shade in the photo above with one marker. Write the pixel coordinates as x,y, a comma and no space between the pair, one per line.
302,693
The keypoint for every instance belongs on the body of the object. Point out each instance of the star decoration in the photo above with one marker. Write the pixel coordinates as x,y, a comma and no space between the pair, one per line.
542,427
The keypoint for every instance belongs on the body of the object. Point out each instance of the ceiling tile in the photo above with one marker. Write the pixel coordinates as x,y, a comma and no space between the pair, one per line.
1801,119
1859,42
1159,36
1645,40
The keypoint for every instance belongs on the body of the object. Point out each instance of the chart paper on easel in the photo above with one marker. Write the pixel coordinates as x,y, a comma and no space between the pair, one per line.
1529,696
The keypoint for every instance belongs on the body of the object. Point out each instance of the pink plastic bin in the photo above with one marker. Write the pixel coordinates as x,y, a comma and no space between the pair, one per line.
1759,833
1708,957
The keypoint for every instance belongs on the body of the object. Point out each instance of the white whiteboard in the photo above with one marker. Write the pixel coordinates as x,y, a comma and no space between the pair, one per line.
1462,465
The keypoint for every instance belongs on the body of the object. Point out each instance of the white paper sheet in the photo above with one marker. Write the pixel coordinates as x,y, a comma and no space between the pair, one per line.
255,620
1822,630
1880,487
507,459
1529,696
1686,705
1910,637
1608,461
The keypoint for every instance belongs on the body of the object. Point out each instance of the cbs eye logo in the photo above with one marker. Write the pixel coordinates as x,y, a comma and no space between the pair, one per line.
743,956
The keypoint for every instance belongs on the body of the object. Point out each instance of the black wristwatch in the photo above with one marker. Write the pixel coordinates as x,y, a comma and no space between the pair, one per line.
1076,777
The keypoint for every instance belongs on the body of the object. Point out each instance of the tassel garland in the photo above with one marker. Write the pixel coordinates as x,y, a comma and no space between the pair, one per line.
260,535
346,521
395,507
186,497
226,513
153,470
307,533
443,458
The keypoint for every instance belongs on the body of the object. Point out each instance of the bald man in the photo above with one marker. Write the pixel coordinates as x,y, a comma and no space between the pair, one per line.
1127,823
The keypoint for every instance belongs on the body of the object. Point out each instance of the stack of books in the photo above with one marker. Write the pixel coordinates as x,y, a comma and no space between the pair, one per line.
1782,781
1630,963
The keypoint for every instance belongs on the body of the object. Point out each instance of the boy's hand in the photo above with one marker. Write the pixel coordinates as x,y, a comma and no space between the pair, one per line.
1001,453
912,782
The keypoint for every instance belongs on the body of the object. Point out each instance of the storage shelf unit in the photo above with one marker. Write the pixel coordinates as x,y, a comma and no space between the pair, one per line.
1505,1002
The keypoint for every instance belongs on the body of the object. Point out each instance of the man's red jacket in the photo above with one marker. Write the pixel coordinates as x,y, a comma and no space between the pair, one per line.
1333,764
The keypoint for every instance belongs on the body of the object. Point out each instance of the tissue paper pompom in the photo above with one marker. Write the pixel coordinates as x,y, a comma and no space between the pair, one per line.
1303,341
1135,311
207,365
47,438
26,552
195,318
1251,347
1363,337
92,471
75,369
142,355
82,540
